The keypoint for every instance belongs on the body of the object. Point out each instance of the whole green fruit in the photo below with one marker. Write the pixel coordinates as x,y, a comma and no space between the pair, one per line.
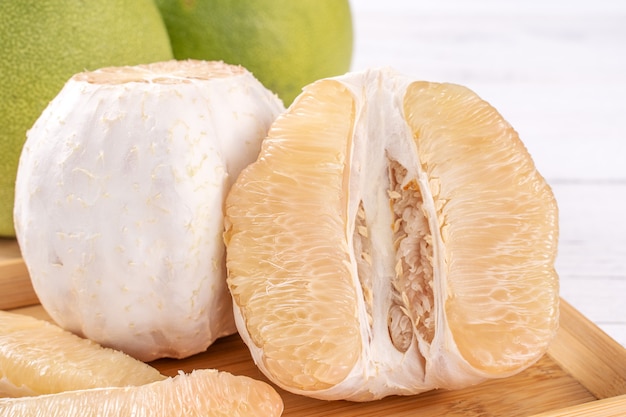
286,44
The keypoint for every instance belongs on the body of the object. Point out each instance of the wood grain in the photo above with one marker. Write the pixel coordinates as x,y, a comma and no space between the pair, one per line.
608,407
9,249
15,287
589,355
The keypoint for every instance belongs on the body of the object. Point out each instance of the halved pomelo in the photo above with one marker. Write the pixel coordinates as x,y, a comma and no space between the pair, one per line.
394,236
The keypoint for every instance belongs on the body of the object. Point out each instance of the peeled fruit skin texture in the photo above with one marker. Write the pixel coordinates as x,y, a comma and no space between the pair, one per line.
393,237
45,42
119,200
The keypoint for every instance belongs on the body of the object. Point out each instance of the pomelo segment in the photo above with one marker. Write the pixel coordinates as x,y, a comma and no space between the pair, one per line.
393,237
202,393
38,357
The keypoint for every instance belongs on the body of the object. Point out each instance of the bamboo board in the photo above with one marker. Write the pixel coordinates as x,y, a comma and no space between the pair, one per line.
583,373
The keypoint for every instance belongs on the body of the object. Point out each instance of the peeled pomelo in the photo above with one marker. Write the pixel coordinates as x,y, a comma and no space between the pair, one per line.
286,44
119,201
393,236
44,43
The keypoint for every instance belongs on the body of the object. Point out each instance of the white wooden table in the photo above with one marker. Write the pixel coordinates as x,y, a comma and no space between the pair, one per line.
556,70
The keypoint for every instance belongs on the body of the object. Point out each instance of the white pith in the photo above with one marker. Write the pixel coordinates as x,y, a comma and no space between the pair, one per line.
119,202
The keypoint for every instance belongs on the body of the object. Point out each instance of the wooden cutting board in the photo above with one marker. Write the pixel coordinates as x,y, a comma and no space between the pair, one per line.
583,373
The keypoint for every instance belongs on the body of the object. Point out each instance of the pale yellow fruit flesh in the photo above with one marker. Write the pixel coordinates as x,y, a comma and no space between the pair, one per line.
469,224
202,393
306,322
497,218
37,357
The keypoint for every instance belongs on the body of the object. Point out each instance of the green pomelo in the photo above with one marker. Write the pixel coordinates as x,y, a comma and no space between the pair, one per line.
286,44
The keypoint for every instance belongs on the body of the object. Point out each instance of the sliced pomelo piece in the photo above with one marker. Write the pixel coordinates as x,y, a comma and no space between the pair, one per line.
38,357
393,237
203,393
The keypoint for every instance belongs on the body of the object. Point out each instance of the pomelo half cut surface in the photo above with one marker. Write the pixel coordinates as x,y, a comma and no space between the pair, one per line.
394,236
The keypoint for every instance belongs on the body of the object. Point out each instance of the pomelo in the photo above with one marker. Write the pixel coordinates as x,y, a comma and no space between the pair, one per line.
200,393
38,357
123,178
44,43
286,44
393,236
